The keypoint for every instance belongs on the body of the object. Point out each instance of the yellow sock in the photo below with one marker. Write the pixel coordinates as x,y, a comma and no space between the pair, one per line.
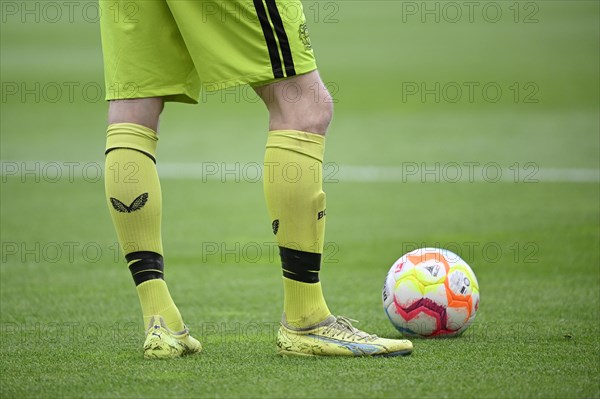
303,303
293,181
156,300
135,204
132,187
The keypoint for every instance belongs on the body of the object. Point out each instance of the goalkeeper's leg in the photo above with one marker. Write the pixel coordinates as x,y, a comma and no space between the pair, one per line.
134,199
300,111
293,189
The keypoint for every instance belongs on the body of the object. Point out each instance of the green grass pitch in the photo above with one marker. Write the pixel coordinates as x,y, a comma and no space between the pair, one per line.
70,319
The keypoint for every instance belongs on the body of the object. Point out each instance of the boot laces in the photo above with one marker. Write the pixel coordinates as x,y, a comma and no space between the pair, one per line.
343,327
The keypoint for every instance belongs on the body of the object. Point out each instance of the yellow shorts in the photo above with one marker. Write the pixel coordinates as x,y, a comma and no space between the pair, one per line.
175,48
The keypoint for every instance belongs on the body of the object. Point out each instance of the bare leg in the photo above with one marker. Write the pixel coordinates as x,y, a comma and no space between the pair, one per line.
299,103
141,111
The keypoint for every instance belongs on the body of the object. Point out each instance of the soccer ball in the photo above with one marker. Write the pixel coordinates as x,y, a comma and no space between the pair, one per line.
431,292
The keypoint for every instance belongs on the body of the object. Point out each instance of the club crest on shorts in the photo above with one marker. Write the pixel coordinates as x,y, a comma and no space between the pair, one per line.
275,226
304,36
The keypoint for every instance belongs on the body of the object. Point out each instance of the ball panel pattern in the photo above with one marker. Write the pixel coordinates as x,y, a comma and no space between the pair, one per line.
431,292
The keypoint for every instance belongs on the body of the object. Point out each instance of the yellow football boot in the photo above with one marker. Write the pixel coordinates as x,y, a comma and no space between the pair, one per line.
336,336
162,343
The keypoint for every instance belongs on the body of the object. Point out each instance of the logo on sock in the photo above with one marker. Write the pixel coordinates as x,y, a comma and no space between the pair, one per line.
136,205
321,214
275,226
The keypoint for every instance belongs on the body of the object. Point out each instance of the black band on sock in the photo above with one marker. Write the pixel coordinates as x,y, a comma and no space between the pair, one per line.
299,265
134,149
146,266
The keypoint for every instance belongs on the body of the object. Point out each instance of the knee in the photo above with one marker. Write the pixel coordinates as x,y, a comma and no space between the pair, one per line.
141,111
316,109
312,116
321,117
300,103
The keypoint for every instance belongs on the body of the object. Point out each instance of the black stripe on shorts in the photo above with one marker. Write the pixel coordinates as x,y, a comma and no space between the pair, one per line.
284,44
269,38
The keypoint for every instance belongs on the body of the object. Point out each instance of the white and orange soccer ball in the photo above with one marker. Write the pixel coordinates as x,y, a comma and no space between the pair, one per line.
431,292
